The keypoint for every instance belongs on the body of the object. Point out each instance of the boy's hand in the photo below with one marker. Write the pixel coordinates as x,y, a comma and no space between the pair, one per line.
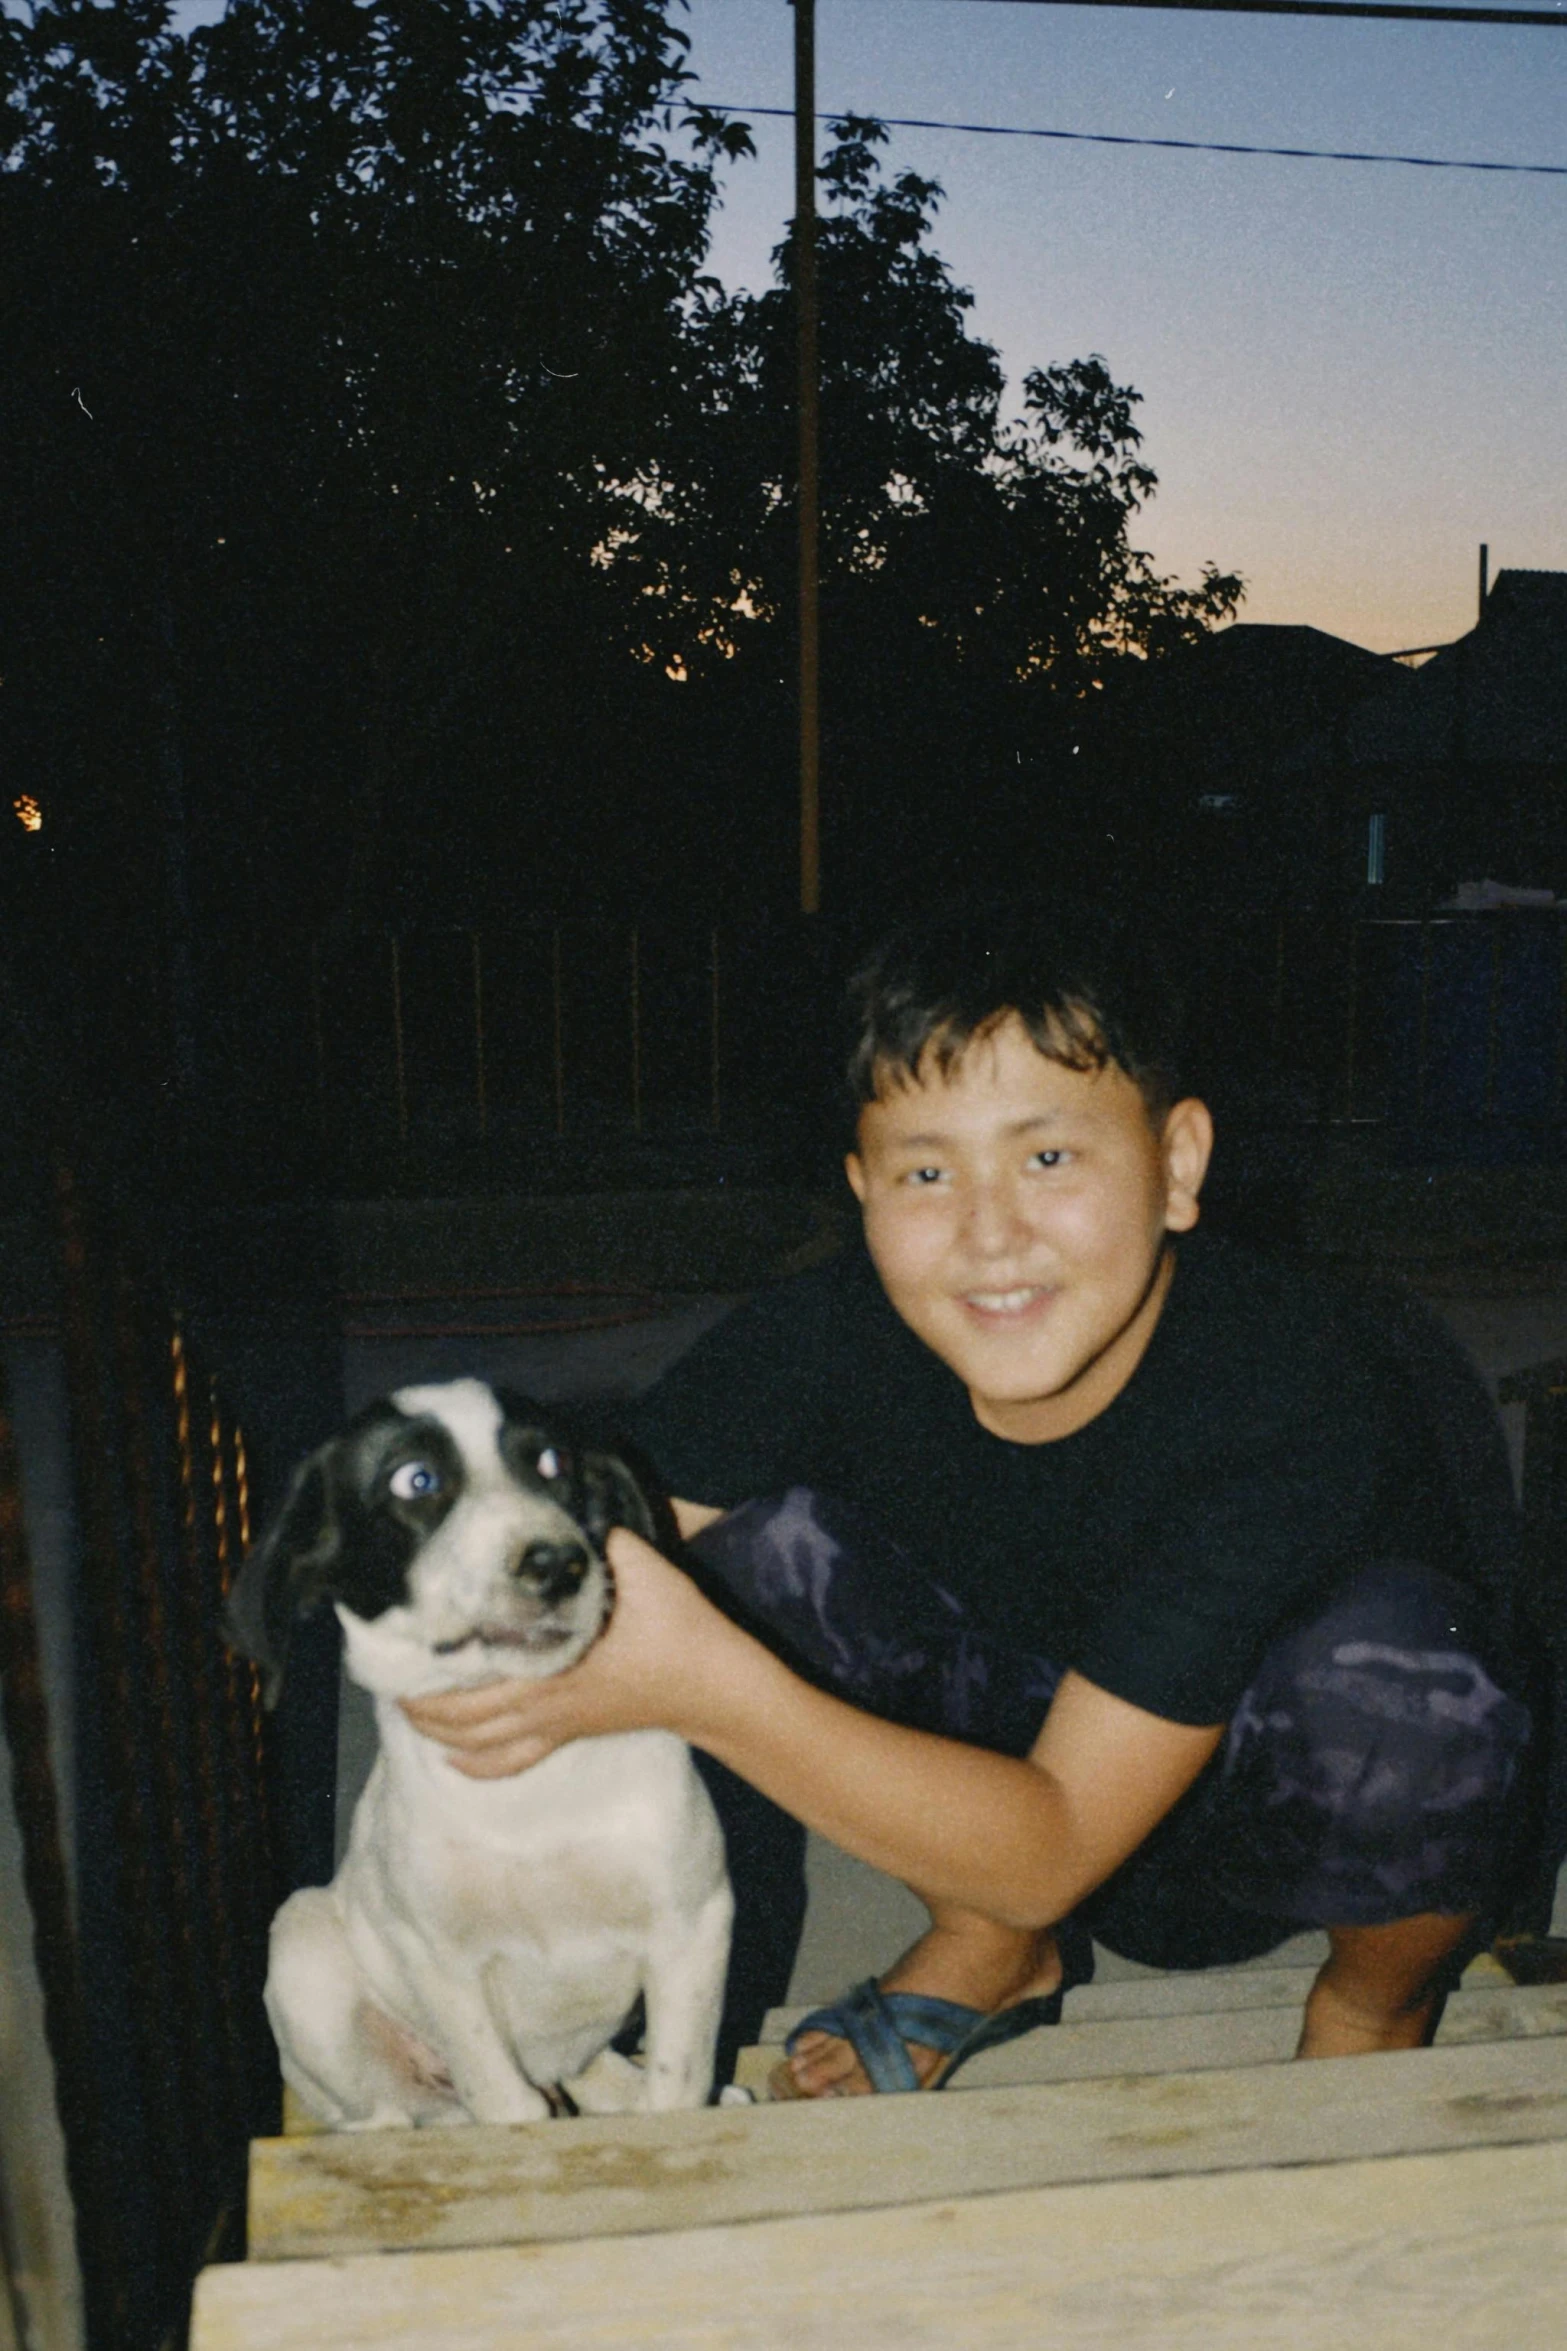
646,1672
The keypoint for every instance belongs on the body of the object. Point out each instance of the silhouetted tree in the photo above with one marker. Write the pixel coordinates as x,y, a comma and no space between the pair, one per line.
326,330
399,521
981,579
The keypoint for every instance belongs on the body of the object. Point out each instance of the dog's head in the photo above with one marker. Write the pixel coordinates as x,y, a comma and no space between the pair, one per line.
458,1529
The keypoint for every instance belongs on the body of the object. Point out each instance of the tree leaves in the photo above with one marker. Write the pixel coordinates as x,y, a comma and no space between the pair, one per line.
465,498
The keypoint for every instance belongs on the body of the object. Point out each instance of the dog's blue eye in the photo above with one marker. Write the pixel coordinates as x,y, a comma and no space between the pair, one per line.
549,1463
415,1481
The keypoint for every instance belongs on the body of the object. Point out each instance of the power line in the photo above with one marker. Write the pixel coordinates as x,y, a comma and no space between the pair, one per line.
1397,9
997,130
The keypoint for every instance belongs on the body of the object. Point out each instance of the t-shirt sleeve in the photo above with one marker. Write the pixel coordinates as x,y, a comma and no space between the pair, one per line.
741,1413
1254,1534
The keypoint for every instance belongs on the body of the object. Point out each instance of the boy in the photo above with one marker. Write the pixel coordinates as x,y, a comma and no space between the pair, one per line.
1106,1577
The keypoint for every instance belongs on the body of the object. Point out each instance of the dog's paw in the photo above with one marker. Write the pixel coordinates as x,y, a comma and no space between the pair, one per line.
612,2084
510,2102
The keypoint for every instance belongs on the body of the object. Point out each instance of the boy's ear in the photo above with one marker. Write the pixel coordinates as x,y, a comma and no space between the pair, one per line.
1188,1147
854,1169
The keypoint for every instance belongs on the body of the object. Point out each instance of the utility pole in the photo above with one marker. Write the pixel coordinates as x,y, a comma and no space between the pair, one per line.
810,476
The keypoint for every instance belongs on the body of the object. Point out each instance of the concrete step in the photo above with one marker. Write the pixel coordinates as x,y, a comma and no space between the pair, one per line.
354,2193
1176,2040
1298,2251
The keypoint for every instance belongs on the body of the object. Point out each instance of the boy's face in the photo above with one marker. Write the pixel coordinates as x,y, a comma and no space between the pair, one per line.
1016,1211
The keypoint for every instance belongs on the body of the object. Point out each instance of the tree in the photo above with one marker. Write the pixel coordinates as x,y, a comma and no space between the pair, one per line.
980,578
402,523
333,325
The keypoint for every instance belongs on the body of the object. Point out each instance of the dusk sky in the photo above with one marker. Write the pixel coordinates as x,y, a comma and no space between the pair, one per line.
1352,373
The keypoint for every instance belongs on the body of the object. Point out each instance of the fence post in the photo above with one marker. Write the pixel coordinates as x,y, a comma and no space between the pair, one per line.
397,1036
1351,1021
318,1022
713,1035
56,1952
1492,1017
636,1032
480,1089
1423,1038
559,1032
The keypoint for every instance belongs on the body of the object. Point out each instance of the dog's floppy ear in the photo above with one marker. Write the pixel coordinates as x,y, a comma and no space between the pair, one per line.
616,1494
287,1573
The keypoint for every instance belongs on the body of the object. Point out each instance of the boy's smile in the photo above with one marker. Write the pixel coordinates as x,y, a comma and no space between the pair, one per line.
1016,1211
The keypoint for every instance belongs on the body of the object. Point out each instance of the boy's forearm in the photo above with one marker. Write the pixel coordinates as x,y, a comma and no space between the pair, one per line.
962,1825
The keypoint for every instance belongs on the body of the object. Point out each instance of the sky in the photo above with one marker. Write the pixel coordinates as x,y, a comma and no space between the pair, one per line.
1352,374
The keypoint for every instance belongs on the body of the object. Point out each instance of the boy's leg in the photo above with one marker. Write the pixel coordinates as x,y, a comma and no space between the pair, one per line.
1365,1788
765,1849
825,1589
1381,1987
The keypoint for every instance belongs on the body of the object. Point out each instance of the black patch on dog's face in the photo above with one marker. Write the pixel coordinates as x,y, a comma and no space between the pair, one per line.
596,1487
360,1510
343,1532
399,1476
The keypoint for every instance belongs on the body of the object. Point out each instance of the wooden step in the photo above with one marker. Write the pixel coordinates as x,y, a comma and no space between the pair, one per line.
1183,2043
1164,1995
1146,1994
1467,2247
350,2193
1150,1994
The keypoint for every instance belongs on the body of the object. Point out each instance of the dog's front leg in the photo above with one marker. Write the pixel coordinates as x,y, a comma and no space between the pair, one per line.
484,2073
687,1964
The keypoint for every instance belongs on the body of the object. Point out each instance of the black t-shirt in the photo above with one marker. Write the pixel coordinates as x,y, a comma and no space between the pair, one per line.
1276,1435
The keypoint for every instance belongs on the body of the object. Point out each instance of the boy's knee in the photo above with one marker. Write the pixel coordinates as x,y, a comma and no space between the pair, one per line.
1392,1673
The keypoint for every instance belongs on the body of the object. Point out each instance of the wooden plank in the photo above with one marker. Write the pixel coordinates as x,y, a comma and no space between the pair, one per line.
1163,1995
1181,1995
1467,2248
1177,2043
352,2192
1096,2003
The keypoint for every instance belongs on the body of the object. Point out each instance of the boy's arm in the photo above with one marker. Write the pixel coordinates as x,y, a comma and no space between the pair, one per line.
1020,1840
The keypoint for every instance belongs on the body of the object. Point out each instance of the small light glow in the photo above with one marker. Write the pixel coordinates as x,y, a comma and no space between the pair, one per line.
676,669
28,814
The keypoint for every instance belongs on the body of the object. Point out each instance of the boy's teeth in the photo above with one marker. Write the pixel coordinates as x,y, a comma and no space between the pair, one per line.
1001,1301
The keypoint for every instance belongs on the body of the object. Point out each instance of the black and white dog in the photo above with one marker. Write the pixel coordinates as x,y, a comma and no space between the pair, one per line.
484,1940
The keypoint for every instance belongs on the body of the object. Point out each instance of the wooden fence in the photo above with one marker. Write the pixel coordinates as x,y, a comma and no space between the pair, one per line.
475,1056
150,1899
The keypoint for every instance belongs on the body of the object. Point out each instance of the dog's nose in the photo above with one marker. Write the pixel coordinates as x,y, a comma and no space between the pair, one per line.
557,1569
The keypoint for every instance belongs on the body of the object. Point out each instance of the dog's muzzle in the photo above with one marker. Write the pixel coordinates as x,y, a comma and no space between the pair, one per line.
546,1576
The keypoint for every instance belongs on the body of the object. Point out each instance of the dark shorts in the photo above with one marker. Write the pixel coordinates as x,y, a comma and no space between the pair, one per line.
1365,1775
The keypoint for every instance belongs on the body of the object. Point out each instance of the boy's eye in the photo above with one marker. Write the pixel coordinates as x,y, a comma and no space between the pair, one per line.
1051,1158
921,1177
414,1481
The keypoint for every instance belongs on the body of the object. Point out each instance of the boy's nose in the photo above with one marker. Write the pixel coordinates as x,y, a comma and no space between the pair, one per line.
995,1223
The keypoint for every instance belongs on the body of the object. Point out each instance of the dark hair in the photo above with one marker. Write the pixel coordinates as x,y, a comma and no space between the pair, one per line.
1087,987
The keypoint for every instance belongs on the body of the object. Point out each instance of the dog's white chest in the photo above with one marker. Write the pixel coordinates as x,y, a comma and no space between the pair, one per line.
584,1844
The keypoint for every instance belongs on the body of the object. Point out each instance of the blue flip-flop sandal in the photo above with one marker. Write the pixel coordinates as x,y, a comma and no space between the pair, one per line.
879,2025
